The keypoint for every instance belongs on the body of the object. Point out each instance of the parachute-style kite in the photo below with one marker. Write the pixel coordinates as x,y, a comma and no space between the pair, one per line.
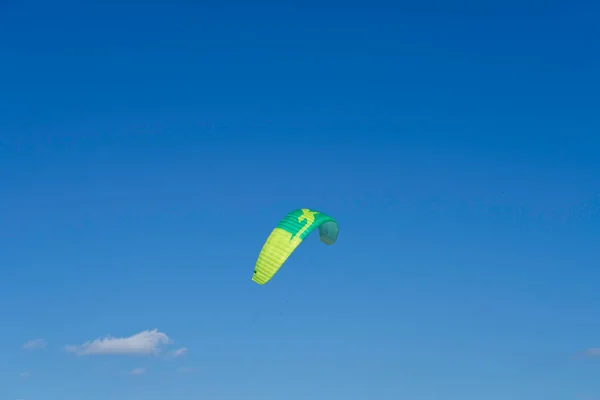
288,234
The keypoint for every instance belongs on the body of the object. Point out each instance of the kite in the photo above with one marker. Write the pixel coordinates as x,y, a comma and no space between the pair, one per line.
286,237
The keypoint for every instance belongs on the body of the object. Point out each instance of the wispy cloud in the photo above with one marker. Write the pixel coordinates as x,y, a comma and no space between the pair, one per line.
35,344
137,371
592,352
187,370
179,352
143,343
585,397
25,374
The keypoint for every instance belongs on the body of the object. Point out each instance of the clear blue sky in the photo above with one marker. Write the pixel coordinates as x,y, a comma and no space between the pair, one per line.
147,150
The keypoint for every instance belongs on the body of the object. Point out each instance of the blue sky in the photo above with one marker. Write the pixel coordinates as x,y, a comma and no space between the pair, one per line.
147,150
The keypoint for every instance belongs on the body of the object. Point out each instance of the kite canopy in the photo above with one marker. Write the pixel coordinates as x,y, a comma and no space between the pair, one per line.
288,234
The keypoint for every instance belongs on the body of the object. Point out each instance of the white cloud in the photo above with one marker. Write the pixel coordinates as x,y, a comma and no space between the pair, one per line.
137,371
35,344
25,374
179,352
143,343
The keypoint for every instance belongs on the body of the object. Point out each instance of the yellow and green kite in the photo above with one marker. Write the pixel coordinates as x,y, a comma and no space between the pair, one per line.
288,234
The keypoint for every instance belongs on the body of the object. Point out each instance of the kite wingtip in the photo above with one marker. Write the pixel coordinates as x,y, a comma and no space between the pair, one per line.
259,281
